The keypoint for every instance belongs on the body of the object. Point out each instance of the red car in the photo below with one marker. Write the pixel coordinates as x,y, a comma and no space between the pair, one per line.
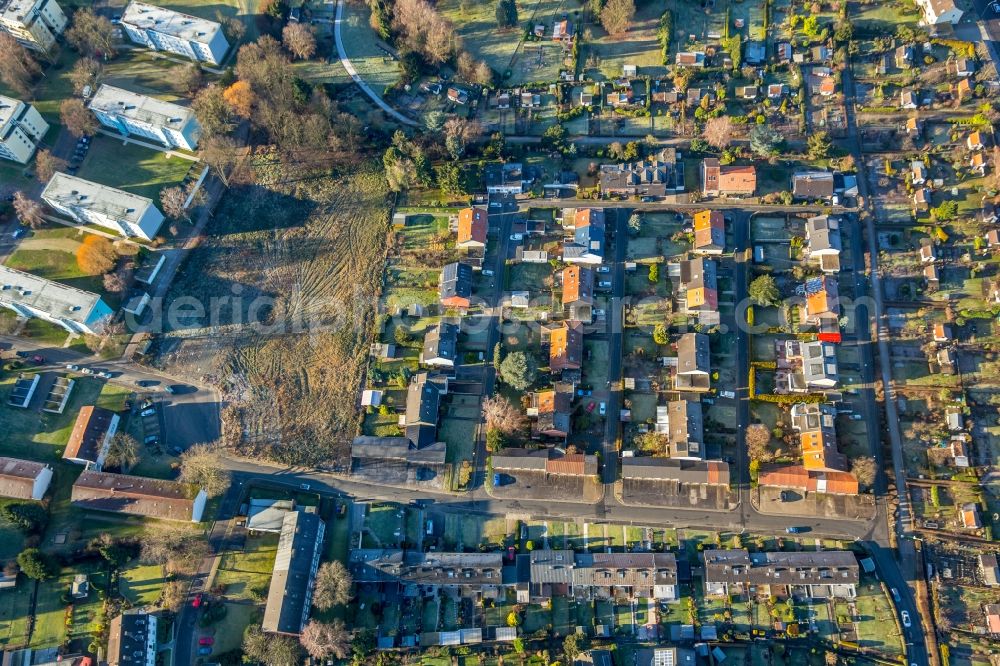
206,640
590,407
196,602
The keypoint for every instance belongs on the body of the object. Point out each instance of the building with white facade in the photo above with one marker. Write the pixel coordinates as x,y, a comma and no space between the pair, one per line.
75,310
34,23
166,30
937,12
132,639
92,203
130,113
21,129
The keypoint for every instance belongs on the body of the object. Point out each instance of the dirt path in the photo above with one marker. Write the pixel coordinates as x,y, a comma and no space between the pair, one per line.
54,244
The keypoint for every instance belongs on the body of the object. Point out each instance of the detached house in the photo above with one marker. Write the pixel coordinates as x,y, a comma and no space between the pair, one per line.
578,292
455,287
423,402
709,232
698,281
918,172
587,244
732,181
472,228
565,341
690,59
813,185
822,302
552,410
440,346
975,141
823,242
694,367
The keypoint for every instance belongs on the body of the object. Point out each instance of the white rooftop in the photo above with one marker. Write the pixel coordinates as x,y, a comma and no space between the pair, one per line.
77,193
16,10
8,107
59,300
118,101
169,22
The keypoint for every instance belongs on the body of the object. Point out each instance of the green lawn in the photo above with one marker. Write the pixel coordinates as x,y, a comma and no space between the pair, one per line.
141,584
135,169
360,44
242,571
14,614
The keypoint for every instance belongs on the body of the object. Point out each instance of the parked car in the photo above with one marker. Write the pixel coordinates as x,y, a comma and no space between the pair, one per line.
104,374
148,412
205,649
20,231
895,595
604,284
38,359
795,530
590,407
496,479
206,640
304,486
905,616
488,272
151,439
196,602
516,237
86,371
856,417
604,269
727,394
604,408
598,312
72,367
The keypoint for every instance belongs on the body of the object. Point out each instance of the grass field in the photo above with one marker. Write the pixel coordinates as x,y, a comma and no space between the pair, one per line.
250,569
305,254
133,168
50,253
373,64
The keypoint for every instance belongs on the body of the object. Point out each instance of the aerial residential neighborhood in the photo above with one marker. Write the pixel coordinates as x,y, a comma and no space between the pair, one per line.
453,333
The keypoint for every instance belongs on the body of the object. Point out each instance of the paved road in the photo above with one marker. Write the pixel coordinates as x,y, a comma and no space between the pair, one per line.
349,66
615,322
905,569
741,245
712,204
190,416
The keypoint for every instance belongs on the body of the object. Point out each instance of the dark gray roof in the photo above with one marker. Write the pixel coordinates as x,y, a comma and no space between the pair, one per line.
441,342
290,595
423,399
129,638
432,568
398,448
828,567
625,569
647,177
686,433
693,353
552,566
456,280
711,472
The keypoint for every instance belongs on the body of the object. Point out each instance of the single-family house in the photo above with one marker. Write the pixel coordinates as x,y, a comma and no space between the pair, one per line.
927,254
970,516
907,99
647,178
690,59
455,286
699,284
686,430
942,332
551,410
937,12
587,244
975,140
977,162
918,172
797,477
822,301
731,180
964,66
473,224
565,341
440,348
578,292
423,402
814,423
823,242
989,569
506,178
812,185
991,618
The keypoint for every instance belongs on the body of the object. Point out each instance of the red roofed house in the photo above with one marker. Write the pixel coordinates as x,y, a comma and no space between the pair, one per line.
88,443
472,227
137,495
24,479
734,181
565,345
798,477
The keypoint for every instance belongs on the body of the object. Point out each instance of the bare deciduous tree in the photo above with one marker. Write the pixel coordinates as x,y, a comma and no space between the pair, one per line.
46,165
219,152
123,451
617,15
29,211
172,596
77,118
86,72
190,77
92,33
212,111
758,440
864,470
719,132
326,639
299,39
333,585
17,66
502,415
202,465
172,199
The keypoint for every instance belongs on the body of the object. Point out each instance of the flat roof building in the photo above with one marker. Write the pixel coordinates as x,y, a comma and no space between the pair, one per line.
92,203
130,113
75,310
166,30
21,129
289,598
34,23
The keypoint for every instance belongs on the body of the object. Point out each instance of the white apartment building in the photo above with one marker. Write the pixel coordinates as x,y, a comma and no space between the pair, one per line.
21,128
937,12
92,203
166,30
34,23
130,114
75,310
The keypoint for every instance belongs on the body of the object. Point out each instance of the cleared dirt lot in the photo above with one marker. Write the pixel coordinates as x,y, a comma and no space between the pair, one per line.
281,301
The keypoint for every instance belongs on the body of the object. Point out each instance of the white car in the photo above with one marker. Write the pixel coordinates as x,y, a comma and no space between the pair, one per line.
488,272
604,408
727,394
905,616
604,269
86,371
516,237
72,367
148,412
598,312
